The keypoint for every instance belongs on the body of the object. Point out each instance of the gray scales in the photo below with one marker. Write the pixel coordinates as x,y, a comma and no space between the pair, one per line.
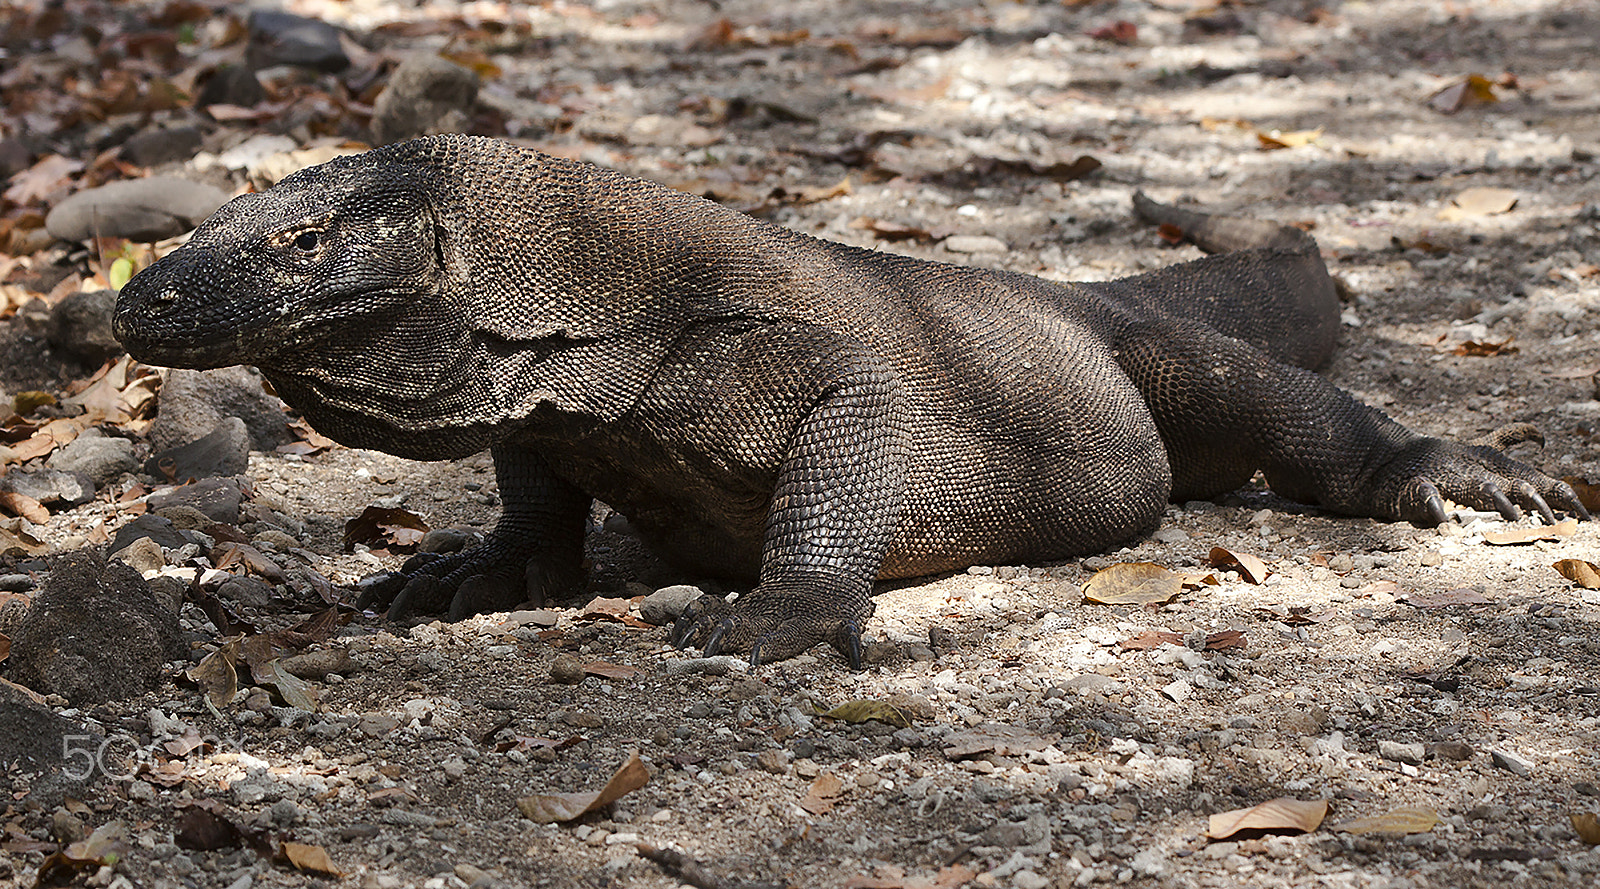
768,406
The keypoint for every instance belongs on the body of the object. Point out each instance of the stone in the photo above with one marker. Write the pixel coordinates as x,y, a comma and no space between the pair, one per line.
142,555
94,633
223,451
567,670
232,85
251,592
280,38
663,606
100,458
152,526
50,486
166,144
975,244
1455,751
1503,759
446,540
1395,751
194,402
426,94
318,664
145,210
80,326
53,754
216,498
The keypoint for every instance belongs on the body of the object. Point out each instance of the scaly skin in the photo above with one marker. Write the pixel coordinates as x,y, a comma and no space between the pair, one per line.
768,406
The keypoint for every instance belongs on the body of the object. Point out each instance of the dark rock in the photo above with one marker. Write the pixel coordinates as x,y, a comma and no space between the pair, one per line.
152,526
100,458
279,38
35,745
94,633
80,325
446,540
251,592
50,486
194,402
224,451
137,209
232,85
425,94
14,157
663,606
217,498
166,144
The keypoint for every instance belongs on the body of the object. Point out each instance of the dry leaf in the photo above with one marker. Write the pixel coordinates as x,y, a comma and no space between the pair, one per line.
216,675
311,858
1276,139
1475,89
1249,567
1481,202
1399,821
1529,535
993,737
16,541
378,526
884,230
1225,640
602,608
42,180
1475,349
1120,31
5,647
1587,824
859,711
1273,815
1584,574
1459,596
821,794
24,506
1588,495
1133,583
1151,639
610,671
548,808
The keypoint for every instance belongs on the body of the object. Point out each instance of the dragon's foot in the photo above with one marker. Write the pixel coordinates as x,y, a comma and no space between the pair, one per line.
485,579
772,623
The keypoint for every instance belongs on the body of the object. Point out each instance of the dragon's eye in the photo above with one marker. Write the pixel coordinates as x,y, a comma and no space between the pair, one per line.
306,241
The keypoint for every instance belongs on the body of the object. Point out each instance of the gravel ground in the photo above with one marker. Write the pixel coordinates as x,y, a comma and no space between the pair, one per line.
1376,666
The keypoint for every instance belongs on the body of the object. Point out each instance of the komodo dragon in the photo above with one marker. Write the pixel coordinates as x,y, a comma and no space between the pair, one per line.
765,405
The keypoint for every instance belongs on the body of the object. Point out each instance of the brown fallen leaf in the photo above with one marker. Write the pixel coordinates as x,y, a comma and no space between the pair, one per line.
5,647
549,808
1273,815
820,795
1476,349
610,671
216,674
1529,535
1580,572
949,877
1472,90
1587,824
24,506
1277,139
860,711
1132,583
1120,31
314,859
1398,821
884,230
378,526
16,541
1225,640
1458,596
1151,639
1250,567
1588,495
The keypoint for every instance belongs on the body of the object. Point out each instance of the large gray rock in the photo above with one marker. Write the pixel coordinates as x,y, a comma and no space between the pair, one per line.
225,450
194,402
80,326
218,499
280,38
137,209
100,458
43,754
425,94
94,633
50,486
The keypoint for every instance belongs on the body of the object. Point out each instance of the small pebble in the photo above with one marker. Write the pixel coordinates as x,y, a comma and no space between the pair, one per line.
566,670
